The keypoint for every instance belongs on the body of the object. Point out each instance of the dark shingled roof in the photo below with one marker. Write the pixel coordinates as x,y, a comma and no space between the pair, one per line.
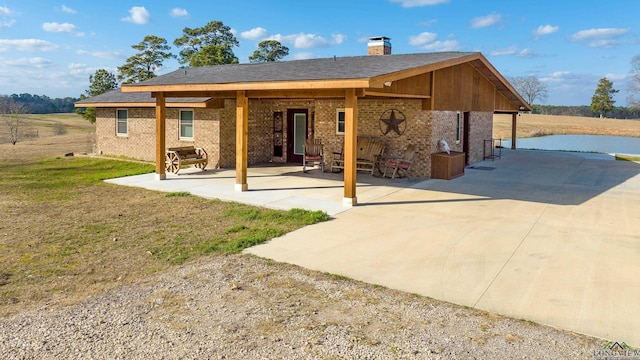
116,96
326,69
339,68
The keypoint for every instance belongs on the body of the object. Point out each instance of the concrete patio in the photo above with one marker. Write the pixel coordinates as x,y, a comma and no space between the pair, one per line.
276,186
549,237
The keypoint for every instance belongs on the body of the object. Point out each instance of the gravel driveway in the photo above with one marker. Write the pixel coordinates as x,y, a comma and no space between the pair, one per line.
243,307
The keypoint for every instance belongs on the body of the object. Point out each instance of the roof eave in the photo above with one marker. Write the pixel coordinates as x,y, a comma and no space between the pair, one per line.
519,100
142,104
251,86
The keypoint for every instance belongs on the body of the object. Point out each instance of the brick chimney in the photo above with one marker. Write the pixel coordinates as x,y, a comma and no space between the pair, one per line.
379,45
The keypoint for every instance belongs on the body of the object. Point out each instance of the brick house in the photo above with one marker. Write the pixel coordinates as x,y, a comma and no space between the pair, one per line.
246,114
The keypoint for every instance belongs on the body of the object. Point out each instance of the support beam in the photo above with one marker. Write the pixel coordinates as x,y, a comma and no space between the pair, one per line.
161,126
429,103
242,139
514,124
350,144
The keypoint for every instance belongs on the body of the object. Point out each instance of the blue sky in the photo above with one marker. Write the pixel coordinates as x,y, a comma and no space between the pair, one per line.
50,48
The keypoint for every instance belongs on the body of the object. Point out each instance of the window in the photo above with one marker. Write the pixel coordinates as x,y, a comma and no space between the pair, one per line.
340,121
458,127
186,124
121,121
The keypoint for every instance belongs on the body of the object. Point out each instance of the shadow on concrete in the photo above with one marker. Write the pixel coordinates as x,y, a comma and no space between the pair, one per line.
550,177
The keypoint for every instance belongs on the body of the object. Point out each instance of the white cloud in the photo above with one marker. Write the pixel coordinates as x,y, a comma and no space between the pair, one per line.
602,37
57,27
338,38
308,41
557,76
618,77
27,45
7,23
514,51
598,33
447,45
36,62
257,33
416,3
527,53
303,56
178,12
6,13
138,15
422,39
107,54
511,50
68,10
485,21
101,54
545,30
429,41
81,69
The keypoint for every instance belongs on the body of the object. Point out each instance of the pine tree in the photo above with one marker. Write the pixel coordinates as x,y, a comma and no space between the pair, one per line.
269,50
602,100
99,83
211,44
152,52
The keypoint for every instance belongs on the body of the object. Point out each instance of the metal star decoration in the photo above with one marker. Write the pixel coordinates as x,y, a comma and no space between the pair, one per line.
393,122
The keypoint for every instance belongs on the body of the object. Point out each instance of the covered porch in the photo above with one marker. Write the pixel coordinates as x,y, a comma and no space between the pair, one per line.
433,89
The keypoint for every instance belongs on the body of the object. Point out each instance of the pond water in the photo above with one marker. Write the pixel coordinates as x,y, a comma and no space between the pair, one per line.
586,143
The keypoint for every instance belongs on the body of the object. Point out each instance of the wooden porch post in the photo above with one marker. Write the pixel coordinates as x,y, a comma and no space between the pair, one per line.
514,117
242,138
161,125
350,144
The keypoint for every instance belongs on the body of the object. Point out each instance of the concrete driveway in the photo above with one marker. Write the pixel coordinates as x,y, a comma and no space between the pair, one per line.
545,236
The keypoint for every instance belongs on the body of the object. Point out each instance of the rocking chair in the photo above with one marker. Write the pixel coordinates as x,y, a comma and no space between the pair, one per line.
402,164
313,154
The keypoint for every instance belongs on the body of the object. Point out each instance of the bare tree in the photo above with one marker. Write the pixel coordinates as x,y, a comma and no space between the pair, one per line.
530,87
12,114
634,84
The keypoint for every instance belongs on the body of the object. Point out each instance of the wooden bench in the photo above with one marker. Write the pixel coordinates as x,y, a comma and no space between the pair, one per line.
369,152
177,157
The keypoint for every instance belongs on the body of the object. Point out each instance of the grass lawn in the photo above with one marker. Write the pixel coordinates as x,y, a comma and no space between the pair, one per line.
66,234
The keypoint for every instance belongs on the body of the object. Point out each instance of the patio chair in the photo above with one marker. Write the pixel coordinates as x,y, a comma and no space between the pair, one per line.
402,164
313,154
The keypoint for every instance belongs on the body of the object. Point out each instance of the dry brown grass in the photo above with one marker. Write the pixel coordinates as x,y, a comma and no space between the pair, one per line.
530,125
62,240
79,137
